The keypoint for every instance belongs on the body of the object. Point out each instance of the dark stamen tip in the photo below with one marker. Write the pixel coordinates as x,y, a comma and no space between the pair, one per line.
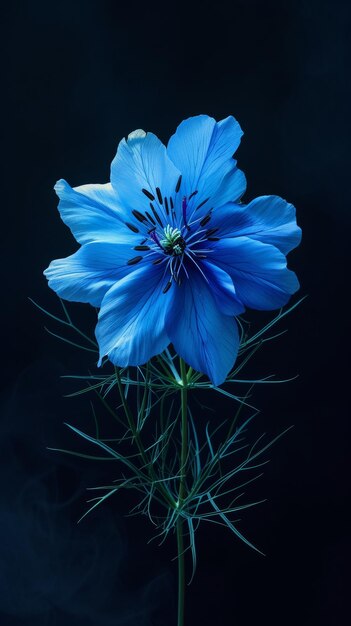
159,195
157,261
157,217
141,248
151,219
139,216
167,287
178,184
134,260
201,204
193,194
211,231
213,238
171,201
132,227
148,194
166,205
205,220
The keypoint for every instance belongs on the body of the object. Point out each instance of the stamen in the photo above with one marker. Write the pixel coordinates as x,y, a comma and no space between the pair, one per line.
184,208
134,261
178,184
170,266
211,231
141,248
148,194
166,205
201,204
182,266
139,216
205,220
159,195
198,266
155,238
199,234
157,262
155,214
151,219
143,241
193,194
175,266
132,227
213,238
171,201
167,287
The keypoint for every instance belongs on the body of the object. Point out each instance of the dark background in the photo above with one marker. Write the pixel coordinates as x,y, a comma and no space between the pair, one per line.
79,76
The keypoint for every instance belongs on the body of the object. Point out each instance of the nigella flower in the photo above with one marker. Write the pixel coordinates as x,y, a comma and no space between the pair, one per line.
170,254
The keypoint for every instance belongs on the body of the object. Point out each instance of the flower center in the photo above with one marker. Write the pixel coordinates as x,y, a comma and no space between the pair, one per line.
179,247
173,243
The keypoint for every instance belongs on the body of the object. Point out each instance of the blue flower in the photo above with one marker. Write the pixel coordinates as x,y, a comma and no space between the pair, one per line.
168,251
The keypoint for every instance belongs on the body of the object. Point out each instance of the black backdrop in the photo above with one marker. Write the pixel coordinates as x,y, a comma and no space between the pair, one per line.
78,77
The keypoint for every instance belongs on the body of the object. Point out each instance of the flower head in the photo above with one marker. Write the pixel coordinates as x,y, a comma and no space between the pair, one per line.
170,254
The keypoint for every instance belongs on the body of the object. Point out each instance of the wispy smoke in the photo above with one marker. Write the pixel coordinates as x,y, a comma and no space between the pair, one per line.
53,571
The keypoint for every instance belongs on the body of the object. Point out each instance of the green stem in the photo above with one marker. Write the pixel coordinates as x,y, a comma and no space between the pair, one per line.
181,573
139,443
182,494
184,427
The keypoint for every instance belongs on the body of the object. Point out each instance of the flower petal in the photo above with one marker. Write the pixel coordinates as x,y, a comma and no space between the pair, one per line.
131,326
202,150
223,289
141,163
202,335
89,273
269,219
230,189
92,213
260,276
